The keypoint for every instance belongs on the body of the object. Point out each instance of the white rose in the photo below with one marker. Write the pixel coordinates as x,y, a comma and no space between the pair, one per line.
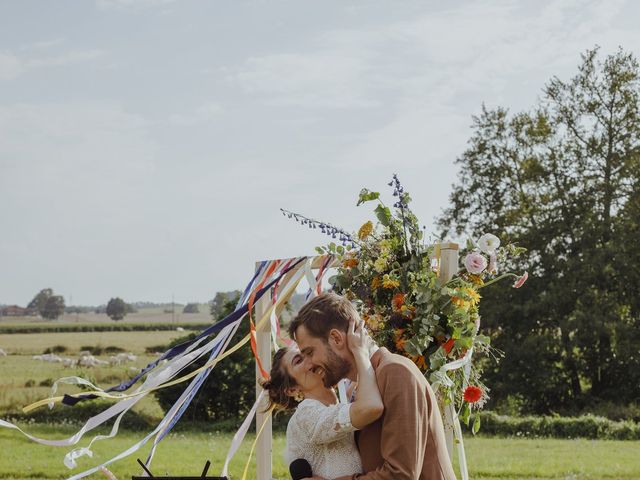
489,243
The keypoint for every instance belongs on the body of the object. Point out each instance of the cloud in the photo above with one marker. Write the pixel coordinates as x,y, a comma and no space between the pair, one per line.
132,4
84,146
67,58
12,66
204,113
44,44
323,79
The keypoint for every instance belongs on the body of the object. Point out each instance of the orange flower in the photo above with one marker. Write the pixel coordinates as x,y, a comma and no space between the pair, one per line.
350,262
448,346
420,362
472,394
461,302
398,300
400,341
375,283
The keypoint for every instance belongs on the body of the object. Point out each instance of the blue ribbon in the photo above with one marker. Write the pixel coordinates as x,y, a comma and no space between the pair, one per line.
178,349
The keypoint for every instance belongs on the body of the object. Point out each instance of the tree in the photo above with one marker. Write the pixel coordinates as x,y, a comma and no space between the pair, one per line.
53,308
562,180
216,306
40,300
191,308
48,305
116,309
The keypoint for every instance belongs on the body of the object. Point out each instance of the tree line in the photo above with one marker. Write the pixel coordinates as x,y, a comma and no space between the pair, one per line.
562,180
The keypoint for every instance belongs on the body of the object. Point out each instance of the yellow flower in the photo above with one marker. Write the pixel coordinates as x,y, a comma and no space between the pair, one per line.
380,265
476,279
365,230
373,321
388,282
473,295
385,246
375,283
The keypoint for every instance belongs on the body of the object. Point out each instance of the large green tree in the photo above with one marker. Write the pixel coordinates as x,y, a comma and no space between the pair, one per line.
563,181
48,305
116,308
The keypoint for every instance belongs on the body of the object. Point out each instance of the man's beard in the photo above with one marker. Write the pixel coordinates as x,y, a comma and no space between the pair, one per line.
335,369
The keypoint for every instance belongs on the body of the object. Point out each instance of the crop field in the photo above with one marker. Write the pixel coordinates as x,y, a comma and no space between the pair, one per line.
37,343
146,315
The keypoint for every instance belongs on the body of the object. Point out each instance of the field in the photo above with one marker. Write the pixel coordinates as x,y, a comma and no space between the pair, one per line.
144,315
24,380
186,452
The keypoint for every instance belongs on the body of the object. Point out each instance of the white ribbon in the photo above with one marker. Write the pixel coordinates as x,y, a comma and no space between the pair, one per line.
164,374
239,435
451,415
290,284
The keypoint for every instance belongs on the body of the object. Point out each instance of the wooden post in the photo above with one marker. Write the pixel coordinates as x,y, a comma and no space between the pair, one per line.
448,268
263,341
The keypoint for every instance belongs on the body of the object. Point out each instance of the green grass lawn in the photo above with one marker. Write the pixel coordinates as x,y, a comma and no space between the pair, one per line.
185,453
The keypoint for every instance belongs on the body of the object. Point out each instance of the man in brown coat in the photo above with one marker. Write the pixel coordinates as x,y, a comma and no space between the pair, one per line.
408,441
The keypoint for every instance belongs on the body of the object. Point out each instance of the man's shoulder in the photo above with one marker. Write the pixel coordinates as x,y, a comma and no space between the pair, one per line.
392,364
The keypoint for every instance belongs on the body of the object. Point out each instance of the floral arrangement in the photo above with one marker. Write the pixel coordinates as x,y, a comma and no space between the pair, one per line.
391,274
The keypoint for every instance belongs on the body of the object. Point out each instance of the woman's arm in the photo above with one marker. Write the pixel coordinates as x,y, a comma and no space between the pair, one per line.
367,407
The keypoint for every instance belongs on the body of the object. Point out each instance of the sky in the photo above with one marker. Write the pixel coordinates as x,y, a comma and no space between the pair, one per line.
146,146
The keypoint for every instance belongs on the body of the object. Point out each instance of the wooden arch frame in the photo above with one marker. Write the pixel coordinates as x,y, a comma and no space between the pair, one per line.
448,265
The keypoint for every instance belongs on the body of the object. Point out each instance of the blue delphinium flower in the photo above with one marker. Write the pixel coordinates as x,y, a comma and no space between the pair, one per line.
326,228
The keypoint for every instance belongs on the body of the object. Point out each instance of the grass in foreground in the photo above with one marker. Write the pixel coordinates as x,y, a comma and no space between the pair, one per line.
185,454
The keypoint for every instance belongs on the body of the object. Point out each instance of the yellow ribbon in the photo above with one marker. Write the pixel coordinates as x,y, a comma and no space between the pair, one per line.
253,446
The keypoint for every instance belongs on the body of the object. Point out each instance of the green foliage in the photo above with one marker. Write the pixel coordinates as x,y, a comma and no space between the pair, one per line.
229,391
40,300
217,305
48,305
93,349
406,306
564,180
191,308
587,426
78,414
56,349
99,327
116,308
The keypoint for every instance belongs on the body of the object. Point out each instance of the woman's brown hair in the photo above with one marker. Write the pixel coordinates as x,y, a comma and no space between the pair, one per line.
279,382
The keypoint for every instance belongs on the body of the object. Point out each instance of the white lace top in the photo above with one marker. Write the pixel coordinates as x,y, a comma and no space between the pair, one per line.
323,435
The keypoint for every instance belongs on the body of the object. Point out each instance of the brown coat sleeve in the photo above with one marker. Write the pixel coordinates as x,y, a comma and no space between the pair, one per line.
404,425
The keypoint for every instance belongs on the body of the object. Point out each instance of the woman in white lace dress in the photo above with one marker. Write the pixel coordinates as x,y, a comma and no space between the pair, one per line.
321,430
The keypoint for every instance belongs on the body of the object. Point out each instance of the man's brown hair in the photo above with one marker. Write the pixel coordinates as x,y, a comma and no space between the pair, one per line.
323,313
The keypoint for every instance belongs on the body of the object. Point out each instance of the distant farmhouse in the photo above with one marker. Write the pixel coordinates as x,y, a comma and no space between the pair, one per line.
16,311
